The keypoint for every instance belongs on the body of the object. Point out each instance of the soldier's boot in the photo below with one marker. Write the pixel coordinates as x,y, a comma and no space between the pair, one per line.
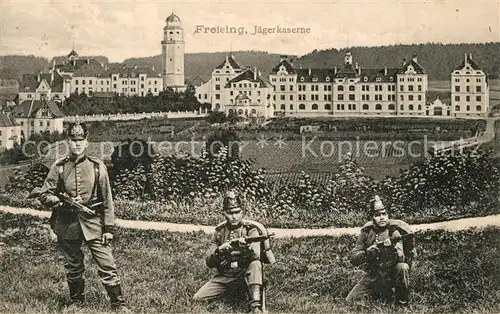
116,297
77,292
255,299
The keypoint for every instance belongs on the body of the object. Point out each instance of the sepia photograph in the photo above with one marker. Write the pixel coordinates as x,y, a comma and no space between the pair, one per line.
278,156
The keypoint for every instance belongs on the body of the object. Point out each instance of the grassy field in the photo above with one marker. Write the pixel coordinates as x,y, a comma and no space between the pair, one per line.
161,271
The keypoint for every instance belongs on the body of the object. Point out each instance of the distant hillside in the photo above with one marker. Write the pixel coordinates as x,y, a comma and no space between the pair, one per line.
13,67
203,63
439,60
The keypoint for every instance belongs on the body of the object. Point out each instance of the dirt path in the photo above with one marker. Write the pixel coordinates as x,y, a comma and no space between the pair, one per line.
452,225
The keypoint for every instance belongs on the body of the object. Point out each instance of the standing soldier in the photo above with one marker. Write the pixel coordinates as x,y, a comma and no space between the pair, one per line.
240,264
385,260
74,181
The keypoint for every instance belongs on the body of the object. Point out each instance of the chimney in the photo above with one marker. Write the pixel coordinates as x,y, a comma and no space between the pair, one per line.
470,56
385,70
335,70
291,61
254,73
414,57
135,66
282,58
153,67
309,70
300,66
87,61
359,70
74,62
227,57
465,58
404,62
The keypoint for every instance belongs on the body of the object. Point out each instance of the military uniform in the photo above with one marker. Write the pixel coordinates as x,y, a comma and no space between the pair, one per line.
384,270
86,177
243,265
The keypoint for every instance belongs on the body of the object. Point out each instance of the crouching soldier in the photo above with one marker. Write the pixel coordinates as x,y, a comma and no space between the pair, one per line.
77,187
380,250
238,262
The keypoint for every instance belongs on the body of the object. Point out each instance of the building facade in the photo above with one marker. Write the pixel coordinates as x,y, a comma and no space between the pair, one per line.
37,116
469,89
10,132
232,89
349,90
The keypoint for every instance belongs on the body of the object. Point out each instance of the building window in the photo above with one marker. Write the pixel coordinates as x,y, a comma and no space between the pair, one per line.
392,107
478,108
340,88
457,108
302,107
351,88
410,107
467,108
467,98
378,107
365,107
351,97
410,97
457,98
478,89
419,107
341,97
328,107
410,88
314,107
291,107
402,107
419,97
457,88
401,88
478,98
282,106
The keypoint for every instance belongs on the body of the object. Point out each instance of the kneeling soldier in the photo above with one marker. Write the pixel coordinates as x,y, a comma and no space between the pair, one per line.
380,249
236,260
78,189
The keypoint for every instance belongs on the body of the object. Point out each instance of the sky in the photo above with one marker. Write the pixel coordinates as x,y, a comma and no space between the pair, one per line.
123,29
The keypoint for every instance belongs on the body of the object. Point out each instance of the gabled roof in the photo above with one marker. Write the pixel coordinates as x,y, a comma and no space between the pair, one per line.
248,75
29,108
418,68
347,71
30,82
90,69
289,68
198,81
316,75
231,61
373,74
132,72
6,121
472,64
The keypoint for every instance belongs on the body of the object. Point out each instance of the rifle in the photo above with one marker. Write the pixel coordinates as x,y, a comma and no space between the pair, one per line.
396,239
69,201
242,242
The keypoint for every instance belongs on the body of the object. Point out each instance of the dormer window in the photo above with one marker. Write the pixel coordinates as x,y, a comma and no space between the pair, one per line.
456,72
365,79
467,68
391,79
328,79
378,79
315,79
302,79
478,72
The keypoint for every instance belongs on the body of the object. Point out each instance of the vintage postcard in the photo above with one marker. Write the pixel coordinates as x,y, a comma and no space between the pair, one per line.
250,156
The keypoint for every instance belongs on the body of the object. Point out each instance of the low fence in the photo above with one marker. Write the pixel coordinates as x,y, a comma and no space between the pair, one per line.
139,116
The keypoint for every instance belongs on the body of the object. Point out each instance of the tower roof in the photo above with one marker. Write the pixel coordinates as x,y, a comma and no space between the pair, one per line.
173,18
72,54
